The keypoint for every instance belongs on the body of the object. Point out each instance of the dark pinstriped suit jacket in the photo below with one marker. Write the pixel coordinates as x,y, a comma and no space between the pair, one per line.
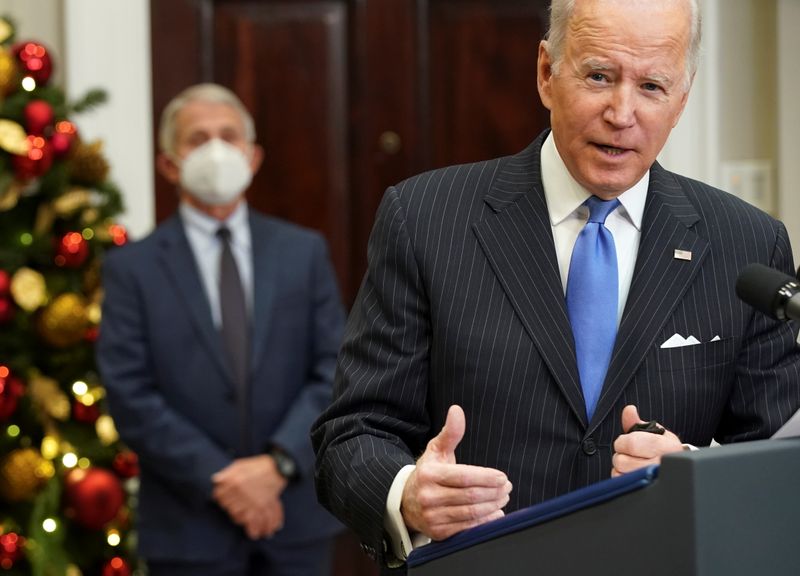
463,303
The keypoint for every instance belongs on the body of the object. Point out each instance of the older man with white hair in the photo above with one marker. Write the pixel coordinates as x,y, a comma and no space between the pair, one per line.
520,316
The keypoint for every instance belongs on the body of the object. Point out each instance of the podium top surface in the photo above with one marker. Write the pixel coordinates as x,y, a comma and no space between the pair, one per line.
537,514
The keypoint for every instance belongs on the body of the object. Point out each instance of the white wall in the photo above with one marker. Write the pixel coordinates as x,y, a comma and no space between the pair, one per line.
693,148
789,119
107,45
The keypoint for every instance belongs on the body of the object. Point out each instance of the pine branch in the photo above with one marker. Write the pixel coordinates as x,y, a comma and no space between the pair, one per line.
92,99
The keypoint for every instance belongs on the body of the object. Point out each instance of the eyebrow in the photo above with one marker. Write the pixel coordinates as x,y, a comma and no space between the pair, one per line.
595,64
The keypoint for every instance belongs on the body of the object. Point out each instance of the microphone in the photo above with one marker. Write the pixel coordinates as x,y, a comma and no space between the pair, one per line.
769,291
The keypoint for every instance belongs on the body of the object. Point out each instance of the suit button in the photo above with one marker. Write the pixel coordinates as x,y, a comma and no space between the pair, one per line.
589,447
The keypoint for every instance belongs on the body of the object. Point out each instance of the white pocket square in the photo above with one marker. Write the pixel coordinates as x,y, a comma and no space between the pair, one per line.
676,341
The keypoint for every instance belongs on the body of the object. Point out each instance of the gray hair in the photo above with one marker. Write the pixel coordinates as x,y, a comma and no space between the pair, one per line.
207,92
561,12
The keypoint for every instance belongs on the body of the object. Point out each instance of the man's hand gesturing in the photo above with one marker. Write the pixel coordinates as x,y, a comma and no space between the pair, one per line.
442,497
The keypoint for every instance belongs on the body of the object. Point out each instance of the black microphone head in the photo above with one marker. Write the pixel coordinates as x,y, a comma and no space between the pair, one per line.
763,288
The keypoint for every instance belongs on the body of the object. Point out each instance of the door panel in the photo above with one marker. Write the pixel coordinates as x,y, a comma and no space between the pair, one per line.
484,101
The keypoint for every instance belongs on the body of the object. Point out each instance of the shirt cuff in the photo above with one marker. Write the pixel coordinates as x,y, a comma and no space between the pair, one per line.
690,447
401,541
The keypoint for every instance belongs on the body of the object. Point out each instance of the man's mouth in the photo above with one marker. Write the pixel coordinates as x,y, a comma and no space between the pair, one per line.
612,150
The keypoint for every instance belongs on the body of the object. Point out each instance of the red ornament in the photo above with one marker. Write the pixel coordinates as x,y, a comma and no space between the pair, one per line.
34,60
5,283
86,414
92,334
7,310
116,567
11,390
93,497
119,235
38,116
126,464
72,250
36,161
11,549
62,139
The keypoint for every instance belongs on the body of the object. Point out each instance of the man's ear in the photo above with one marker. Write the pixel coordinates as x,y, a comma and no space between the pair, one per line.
167,167
256,157
544,74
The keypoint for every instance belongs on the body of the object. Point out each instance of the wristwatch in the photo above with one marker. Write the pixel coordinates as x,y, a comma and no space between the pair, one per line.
284,463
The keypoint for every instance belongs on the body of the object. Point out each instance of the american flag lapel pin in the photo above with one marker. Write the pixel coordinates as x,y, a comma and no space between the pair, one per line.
683,255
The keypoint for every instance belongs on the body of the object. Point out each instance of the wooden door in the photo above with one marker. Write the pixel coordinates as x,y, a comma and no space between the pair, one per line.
351,96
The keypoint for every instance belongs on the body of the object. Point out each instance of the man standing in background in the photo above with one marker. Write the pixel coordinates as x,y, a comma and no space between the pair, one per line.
217,348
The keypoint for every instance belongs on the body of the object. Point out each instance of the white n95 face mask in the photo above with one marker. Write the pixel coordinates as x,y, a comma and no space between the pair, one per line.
216,173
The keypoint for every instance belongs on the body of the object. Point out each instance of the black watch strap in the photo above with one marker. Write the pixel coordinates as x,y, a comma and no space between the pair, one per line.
285,464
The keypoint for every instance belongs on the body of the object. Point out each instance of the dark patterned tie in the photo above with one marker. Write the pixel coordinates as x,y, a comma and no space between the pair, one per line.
592,289
235,327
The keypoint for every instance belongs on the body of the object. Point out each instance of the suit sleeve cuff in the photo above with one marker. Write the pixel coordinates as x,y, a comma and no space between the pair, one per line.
400,540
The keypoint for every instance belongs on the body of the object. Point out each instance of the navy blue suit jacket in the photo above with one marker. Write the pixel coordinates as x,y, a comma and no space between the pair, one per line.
171,391
463,303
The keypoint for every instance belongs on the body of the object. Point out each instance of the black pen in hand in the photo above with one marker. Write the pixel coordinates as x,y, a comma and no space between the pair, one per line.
651,426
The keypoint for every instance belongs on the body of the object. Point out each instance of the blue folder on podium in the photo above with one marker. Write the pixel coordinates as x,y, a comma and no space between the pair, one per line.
537,514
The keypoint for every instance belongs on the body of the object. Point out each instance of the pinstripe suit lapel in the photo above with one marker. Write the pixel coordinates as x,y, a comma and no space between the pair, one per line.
517,239
659,281
178,261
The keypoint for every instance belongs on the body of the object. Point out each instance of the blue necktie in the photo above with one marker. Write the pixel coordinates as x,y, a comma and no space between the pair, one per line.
592,299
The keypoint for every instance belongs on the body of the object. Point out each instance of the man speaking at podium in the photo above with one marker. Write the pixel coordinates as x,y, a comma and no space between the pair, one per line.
519,316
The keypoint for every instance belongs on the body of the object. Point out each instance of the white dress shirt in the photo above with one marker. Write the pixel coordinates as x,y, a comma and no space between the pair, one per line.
565,198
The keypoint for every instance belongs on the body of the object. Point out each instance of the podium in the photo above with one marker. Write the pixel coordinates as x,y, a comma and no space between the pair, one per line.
726,511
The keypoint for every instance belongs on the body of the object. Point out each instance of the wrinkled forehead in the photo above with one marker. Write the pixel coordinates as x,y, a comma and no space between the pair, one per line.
639,14
633,26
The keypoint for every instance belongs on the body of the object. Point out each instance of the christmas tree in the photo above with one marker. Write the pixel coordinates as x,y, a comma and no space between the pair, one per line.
65,479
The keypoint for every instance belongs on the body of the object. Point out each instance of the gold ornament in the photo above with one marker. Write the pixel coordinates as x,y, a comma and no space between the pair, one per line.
8,72
50,399
10,196
88,164
73,200
45,216
106,430
94,313
6,30
28,289
13,138
90,216
92,279
22,474
73,570
64,322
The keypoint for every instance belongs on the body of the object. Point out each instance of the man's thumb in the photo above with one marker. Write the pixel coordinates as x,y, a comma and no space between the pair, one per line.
451,433
630,416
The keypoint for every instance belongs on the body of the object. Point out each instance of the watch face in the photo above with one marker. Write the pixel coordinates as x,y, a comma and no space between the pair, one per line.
284,464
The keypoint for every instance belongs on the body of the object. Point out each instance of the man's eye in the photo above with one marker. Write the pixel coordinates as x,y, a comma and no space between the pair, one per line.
651,87
597,77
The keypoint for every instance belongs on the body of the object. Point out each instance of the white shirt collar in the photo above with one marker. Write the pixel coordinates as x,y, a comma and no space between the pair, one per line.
564,195
201,222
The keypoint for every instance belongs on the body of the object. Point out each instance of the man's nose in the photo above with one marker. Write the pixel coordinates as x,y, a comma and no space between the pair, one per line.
620,111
